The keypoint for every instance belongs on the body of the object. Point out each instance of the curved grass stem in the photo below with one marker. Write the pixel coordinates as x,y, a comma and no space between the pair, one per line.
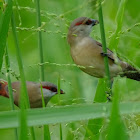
100,14
24,100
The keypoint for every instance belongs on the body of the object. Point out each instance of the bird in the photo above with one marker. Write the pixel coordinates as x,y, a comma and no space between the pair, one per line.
34,92
88,55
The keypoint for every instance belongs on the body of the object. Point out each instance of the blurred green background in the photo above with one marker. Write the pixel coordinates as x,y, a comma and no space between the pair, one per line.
56,16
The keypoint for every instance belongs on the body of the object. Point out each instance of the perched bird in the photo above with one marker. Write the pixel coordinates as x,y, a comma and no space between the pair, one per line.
88,53
34,92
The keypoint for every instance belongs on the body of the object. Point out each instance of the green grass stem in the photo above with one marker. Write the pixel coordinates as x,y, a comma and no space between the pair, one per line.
24,100
20,65
40,39
46,127
100,92
7,63
100,14
116,123
61,136
58,91
114,41
43,101
4,27
115,118
94,125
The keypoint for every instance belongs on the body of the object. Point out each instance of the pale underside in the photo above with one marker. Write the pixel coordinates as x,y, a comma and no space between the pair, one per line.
89,56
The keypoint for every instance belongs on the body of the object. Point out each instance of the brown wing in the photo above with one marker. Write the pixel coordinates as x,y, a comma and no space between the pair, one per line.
110,53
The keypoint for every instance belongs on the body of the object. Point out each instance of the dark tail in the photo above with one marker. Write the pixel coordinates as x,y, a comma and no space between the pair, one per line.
132,73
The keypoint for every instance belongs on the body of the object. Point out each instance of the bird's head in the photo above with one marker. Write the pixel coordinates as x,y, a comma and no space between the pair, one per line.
82,26
49,89
3,89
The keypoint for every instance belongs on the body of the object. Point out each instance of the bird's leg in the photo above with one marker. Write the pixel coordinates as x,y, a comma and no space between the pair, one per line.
109,96
109,92
109,99
105,54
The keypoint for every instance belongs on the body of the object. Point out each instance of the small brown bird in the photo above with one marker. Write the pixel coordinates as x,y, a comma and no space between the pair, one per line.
34,92
87,52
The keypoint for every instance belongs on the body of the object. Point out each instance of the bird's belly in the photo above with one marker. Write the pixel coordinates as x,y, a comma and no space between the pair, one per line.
89,66
95,66
36,104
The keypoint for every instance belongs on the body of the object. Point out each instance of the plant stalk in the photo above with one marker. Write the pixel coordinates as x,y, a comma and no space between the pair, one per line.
40,40
106,64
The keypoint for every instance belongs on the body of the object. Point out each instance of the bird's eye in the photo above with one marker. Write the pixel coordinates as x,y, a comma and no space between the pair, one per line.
88,22
53,89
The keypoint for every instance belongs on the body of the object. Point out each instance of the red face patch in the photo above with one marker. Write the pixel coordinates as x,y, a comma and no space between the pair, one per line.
79,23
88,22
46,87
50,88
53,89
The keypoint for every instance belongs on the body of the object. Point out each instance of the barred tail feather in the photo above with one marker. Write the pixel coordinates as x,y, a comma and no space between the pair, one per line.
132,73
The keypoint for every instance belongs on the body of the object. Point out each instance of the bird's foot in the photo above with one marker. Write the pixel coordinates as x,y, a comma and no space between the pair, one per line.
109,97
105,54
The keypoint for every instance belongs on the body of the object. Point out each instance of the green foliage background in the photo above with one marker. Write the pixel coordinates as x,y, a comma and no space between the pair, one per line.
80,88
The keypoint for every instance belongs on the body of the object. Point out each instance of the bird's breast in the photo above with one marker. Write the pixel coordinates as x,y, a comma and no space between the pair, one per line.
88,55
89,60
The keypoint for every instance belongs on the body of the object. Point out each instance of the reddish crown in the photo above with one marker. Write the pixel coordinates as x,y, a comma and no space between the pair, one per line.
3,92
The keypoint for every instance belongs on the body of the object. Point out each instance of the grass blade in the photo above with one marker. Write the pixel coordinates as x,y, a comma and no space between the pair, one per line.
116,129
7,63
43,100
46,133
114,41
9,119
115,120
20,64
100,14
100,96
58,90
40,39
60,127
46,127
24,100
95,125
4,26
